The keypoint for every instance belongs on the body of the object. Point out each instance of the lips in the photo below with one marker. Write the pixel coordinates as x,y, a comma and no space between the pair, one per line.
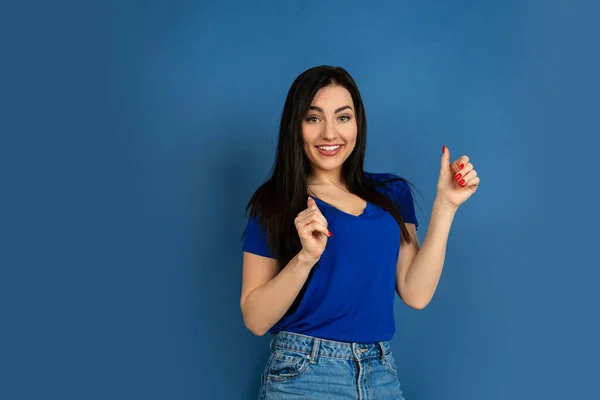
329,150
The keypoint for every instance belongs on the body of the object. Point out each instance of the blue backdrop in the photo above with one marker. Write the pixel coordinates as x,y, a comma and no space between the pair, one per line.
135,132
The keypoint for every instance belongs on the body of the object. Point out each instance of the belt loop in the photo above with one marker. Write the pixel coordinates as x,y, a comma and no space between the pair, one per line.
382,358
315,351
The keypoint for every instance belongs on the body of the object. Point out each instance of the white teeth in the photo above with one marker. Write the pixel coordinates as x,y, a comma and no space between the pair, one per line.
329,148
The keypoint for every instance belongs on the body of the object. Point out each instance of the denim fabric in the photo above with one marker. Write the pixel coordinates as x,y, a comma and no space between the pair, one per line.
305,367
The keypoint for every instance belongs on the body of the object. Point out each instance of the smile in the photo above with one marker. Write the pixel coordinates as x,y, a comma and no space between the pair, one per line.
329,150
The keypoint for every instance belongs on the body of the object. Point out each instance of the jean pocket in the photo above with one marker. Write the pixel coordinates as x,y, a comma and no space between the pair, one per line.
284,366
390,363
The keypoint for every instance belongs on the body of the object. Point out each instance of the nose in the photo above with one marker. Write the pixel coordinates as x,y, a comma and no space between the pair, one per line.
329,131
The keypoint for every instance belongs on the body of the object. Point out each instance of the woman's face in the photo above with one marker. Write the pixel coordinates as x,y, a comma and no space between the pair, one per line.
329,128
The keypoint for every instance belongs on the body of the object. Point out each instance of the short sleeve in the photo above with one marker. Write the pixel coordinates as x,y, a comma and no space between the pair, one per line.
255,239
404,201
399,192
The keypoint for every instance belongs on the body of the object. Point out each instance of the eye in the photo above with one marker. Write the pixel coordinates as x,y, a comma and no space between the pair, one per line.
345,118
313,119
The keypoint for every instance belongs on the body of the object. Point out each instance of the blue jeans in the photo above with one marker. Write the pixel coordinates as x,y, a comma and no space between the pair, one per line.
305,367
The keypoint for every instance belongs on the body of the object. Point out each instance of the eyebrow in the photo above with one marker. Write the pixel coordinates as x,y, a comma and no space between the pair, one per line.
336,111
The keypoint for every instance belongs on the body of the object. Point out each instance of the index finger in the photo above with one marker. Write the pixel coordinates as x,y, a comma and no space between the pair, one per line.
460,163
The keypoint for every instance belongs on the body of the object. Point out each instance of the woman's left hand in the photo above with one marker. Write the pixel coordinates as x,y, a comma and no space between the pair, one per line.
457,181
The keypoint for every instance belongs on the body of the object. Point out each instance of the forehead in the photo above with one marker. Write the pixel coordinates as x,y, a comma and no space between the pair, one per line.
332,97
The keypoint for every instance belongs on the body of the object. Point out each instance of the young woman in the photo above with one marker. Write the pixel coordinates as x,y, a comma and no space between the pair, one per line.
327,245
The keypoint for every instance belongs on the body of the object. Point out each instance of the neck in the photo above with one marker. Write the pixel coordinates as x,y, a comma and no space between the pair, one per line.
323,177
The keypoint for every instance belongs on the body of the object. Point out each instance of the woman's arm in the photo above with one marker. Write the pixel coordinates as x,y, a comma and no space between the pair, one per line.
418,271
419,268
267,295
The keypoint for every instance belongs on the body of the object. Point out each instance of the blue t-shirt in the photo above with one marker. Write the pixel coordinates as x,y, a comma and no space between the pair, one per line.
349,296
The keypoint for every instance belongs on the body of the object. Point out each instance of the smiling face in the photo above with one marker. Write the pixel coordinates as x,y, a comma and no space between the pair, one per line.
329,129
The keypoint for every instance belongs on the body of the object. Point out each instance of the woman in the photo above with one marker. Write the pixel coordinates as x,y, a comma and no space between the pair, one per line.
327,245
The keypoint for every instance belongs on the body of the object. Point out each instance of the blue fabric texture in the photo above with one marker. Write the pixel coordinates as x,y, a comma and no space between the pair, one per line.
349,295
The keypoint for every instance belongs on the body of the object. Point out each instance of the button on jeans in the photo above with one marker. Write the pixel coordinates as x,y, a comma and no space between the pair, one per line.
306,367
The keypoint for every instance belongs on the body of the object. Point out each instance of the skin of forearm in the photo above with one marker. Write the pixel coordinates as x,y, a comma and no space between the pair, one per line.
267,304
425,271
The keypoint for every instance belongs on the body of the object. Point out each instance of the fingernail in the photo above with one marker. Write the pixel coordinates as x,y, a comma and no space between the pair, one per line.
461,166
443,148
462,182
330,234
457,177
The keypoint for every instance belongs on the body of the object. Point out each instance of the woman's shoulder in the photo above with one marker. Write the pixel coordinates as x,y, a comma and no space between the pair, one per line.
389,180
384,178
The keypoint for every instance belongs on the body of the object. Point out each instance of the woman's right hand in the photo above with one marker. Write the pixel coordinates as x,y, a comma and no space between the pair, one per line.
312,230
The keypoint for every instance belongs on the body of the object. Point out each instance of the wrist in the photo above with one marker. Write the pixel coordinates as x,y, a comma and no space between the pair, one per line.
305,260
444,206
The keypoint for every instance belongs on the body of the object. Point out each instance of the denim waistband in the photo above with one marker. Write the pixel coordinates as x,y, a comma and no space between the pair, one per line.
316,347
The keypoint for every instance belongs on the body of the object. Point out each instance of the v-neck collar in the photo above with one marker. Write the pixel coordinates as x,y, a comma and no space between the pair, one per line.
364,211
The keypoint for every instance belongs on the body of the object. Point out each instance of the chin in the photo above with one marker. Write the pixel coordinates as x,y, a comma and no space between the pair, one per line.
330,165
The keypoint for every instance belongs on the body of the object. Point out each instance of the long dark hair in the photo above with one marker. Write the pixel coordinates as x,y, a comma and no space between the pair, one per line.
277,201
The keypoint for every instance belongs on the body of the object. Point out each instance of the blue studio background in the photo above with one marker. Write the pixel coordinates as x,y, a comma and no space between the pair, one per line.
135,132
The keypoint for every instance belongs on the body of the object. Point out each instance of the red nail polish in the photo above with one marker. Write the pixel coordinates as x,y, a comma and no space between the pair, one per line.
462,182
443,149
330,234
461,166
457,177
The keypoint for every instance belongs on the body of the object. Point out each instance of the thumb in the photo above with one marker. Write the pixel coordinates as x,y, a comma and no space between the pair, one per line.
445,162
311,203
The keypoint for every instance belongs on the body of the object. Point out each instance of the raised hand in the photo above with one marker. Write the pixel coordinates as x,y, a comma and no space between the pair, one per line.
457,180
312,230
